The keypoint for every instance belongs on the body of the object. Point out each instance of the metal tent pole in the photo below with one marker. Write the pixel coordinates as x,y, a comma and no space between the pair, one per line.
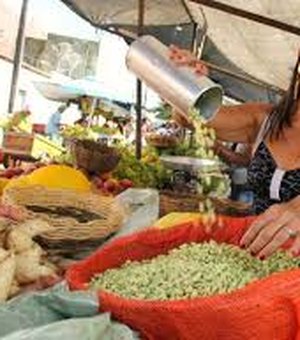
18,57
138,143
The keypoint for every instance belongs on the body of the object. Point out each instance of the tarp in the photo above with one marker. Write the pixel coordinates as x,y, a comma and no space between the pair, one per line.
263,54
57,313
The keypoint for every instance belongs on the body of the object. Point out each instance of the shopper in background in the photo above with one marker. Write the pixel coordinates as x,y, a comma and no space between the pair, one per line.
17,119
238,157
54,123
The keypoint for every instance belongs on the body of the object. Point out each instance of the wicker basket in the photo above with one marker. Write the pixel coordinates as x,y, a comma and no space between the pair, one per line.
94,157
96,217
184,202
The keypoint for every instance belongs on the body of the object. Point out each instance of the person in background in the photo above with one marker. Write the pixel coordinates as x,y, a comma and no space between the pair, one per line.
238,157
54,123
17,119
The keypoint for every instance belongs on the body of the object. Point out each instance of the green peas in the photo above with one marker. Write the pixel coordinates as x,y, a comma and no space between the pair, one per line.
190,271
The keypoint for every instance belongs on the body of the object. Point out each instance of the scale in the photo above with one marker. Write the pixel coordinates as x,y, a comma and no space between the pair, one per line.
186,170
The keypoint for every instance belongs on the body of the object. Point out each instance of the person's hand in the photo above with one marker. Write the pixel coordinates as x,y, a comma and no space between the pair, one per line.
272,229
218,147
183,57
182,120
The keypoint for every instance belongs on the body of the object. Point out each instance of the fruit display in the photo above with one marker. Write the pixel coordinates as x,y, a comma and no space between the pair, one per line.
104,130
81,132
185,148
76,132
190,271
107,185
14,172
11,172
145,173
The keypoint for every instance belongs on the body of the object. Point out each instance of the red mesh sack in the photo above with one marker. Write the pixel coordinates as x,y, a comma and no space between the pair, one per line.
263,310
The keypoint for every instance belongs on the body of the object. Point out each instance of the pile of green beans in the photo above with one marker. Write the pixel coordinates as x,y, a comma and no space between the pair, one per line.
211,180
192,270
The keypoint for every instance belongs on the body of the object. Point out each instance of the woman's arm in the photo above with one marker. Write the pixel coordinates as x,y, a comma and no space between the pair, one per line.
240,123
233,157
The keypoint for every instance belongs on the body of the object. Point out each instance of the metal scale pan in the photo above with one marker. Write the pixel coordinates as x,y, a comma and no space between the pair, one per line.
189,164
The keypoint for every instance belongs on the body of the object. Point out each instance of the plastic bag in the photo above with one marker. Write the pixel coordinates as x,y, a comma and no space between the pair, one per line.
266,309
143,205
58,313
95,328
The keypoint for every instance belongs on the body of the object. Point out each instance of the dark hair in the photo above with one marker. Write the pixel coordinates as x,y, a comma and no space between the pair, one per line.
283,113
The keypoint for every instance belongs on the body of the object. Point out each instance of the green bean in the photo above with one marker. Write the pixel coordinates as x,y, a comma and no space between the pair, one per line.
190,271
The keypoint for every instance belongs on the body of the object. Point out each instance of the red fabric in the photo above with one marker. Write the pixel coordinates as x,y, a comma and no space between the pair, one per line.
264,310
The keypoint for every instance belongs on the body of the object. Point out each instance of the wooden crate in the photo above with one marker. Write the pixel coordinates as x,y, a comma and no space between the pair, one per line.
15,143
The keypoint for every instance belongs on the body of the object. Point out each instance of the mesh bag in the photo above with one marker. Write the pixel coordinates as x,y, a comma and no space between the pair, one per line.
263,310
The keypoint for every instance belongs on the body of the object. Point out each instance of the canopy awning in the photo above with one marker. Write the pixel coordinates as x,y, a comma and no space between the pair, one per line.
252,60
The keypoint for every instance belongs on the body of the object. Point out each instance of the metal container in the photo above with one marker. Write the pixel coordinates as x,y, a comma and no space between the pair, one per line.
149,60
191,164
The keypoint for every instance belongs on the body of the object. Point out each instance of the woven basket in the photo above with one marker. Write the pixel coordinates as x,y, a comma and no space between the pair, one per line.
94,157
187,202
100,216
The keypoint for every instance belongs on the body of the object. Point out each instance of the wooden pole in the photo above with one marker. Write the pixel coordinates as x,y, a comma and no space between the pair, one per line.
138,143
18,57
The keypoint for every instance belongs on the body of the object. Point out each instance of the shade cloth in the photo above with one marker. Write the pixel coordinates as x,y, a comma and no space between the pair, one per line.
263,54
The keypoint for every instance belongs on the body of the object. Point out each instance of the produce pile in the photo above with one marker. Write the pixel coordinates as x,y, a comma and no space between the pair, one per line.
85,133
145,173
18,171
22,261
107,185
212,180
204,138
192,270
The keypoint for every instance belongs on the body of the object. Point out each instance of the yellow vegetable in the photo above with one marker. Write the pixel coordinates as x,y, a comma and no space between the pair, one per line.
17,182
176,218
3,184
54,176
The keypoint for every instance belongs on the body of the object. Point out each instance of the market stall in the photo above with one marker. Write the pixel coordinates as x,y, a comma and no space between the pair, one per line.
153,245
23,142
